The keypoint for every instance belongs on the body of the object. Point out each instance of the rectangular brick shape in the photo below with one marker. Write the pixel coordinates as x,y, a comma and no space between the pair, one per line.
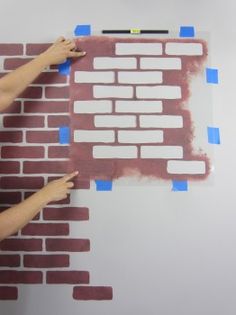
186,167
16,152
14,108
67,277
37,48
114,63
161,63
23,182
46,261
60,152
10,197
48,167
89,107
112,91
11,136
11,49
106,136
50,78
66,214
161,121
159,92
27,277
67,245
46,107
57,121
94,77
139,77
138,48
9,167
23,122
138,106
32,92
161,152
42,136
189,49
84,293
115,152
115,121
57,92
9,260
8,293
13,63
139,136
21,245
41,229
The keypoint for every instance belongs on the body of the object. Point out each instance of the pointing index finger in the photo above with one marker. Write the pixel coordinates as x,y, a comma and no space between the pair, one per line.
68,177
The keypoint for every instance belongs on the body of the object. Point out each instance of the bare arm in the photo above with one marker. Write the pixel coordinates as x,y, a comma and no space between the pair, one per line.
13,219
14,83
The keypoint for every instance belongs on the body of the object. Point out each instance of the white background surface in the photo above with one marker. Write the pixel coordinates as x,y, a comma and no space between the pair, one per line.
163,253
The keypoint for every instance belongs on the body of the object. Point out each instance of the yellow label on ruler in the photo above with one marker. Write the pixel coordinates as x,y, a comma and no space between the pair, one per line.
135,31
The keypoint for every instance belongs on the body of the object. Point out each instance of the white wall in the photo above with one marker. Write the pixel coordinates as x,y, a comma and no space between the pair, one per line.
164,253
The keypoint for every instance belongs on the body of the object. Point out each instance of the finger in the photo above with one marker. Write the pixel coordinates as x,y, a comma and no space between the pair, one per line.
68,177
68,41
70,184
70,46
60,39
74,54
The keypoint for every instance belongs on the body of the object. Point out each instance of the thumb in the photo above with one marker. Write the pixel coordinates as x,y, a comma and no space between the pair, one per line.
74,54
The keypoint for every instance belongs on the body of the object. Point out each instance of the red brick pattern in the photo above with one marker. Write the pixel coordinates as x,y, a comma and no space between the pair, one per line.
31,156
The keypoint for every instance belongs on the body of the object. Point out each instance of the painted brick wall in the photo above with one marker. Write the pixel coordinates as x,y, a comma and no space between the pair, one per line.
128,114
31,155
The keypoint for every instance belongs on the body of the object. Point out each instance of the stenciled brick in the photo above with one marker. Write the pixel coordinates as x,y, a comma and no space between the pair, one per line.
138,48
94,77
46,106
89,107
67,245
67,277
139,77
66,214
139,136
9,260
57,92
16,152
85,293
27,277
50,78
42,136
138,106
161,152
115,152
78,182
48,167
65,201
115,121
46,261
58,121
11,49
186,167
189,49
23,122
23,182
11,136
112,91
114,63
10,197
60,152
106,136
36,48
161,63
14,108
161,121
35,92
8,293
28,245
9,167
13,63
46,229
159,92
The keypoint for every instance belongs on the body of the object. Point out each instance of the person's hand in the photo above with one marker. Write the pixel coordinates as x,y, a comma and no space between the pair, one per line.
60,51
58,189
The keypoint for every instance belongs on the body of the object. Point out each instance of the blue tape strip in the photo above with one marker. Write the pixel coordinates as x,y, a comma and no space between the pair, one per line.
179,185
64,68
213,135
82,30
103,185
187,31
64,135
212,75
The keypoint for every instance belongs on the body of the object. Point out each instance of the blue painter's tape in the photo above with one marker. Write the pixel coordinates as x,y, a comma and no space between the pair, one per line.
187,31
213,135
179,185
64,68
82,30
64,135
212,75
103,185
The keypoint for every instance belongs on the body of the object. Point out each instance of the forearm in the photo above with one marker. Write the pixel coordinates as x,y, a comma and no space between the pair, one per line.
14,83
13,219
